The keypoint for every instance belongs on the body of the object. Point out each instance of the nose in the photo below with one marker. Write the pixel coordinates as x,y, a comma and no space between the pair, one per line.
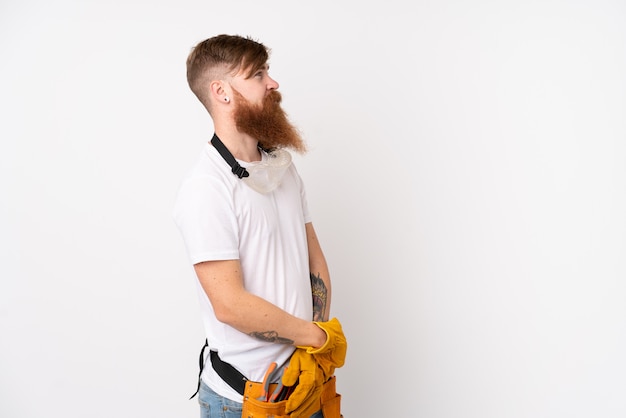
272,84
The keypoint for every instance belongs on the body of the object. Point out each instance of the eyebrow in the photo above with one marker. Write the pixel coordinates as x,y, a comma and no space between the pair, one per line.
263,67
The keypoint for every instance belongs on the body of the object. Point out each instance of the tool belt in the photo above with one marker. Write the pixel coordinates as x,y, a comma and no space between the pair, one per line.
329,404
225,370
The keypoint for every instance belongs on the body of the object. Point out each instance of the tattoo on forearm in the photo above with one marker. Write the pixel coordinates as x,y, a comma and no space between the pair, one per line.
320,296
270,337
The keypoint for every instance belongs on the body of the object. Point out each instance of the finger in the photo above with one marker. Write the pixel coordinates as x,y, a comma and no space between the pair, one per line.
299,397
309,405
292,371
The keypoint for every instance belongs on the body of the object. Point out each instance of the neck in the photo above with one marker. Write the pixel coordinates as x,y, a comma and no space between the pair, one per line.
242,146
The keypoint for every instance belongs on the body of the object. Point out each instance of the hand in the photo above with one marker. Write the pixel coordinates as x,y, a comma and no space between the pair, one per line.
333,353
303,370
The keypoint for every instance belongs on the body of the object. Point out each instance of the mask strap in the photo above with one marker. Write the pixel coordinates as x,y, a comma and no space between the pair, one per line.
237,170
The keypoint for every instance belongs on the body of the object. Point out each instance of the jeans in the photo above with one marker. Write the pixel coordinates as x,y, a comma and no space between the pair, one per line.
213,405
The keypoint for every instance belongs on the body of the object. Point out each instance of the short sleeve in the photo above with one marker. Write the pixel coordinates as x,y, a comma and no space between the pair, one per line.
205,216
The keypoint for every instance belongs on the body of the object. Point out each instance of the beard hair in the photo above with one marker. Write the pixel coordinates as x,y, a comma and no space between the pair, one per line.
267,123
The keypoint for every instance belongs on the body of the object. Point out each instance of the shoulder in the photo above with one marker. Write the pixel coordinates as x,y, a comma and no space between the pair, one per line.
206,180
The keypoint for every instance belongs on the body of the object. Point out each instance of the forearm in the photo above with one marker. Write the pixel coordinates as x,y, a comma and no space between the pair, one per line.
320,277
321,292
261,319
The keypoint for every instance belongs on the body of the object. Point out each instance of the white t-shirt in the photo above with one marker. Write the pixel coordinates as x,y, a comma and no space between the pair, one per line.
221,218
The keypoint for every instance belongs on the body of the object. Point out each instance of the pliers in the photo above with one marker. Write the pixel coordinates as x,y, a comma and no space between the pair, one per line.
281,392
271,375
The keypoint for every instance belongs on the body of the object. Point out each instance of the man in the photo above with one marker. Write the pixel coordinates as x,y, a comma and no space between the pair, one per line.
264,284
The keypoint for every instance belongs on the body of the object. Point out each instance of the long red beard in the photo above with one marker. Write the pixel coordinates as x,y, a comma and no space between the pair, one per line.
267,123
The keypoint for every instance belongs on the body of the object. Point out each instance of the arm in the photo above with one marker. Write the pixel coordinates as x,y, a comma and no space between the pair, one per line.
320,277
234,305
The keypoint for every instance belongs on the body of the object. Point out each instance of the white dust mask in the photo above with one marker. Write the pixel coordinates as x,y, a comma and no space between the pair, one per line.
266,175
263,176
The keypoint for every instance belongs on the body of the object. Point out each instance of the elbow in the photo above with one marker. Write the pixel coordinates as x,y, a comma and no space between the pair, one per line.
225,313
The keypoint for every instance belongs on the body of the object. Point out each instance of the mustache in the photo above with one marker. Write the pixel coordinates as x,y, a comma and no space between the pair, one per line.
273,96
269,105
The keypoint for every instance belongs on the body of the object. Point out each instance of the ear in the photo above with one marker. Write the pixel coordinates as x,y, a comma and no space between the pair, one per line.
219,91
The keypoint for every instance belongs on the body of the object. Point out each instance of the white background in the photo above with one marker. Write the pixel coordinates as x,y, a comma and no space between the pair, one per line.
466,176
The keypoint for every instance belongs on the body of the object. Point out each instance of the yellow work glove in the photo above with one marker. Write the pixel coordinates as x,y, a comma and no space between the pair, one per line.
333,353
304,401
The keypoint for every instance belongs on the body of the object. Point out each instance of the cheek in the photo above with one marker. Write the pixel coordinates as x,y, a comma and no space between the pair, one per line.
259,98
252,98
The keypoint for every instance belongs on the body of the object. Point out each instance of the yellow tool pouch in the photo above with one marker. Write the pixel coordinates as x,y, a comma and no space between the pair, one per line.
254,408
330,402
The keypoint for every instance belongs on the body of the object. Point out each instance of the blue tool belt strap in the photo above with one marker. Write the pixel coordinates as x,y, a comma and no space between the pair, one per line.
226,371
